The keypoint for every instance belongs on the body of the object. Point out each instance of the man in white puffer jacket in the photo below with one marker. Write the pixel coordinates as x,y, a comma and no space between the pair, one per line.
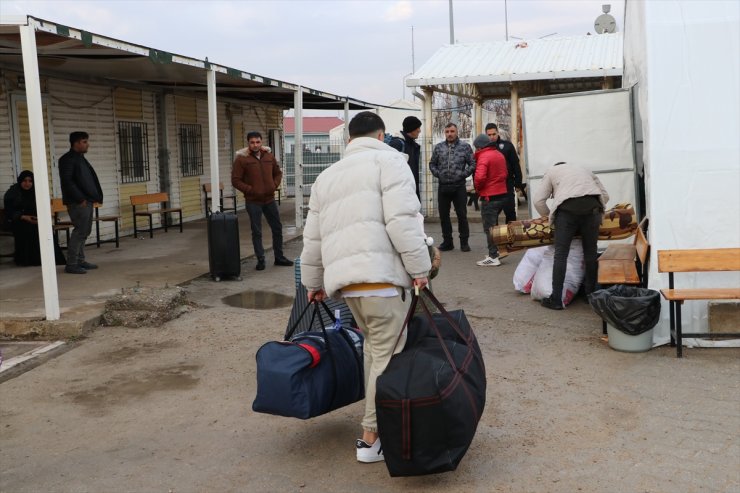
363,241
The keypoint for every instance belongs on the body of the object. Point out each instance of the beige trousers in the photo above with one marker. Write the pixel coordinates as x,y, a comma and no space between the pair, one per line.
380,320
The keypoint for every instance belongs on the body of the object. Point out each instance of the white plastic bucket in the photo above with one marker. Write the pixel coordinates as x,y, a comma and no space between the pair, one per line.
630,344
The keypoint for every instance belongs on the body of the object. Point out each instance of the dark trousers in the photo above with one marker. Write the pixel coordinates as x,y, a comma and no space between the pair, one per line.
568,225
489,211
509,207
81,217
272,215
456,195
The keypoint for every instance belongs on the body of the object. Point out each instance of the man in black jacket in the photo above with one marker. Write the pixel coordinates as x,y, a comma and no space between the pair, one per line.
512,163
406,143
80,190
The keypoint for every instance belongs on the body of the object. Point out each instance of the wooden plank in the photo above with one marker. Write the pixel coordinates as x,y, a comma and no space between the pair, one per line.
618,272
149,198
701,294
699,260
619,251
641,245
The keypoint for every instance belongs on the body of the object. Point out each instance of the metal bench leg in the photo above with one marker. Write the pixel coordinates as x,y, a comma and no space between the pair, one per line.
97,233
136,232
180,214
151,226
164,218
116,223
679,343
671,311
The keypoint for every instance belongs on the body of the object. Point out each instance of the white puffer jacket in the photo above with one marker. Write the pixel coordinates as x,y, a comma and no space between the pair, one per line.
362,224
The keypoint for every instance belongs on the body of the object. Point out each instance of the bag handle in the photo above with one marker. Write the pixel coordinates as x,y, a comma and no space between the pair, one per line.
289,333
469,338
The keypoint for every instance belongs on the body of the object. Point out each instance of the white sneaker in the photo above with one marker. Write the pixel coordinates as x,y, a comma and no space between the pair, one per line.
489,262
369,453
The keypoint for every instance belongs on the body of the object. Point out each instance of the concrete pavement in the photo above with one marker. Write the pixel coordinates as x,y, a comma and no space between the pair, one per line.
168,408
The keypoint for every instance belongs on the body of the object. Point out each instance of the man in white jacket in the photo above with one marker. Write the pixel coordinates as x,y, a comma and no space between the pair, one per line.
364,242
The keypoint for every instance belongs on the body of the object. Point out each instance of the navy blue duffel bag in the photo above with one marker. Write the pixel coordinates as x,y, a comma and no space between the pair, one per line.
311,373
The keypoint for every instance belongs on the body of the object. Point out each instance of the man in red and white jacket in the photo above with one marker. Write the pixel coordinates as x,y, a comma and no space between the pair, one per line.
490,185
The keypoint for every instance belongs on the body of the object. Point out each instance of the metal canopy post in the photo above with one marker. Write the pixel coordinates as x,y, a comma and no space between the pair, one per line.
346,120
298,156
427,191
213,140
40,170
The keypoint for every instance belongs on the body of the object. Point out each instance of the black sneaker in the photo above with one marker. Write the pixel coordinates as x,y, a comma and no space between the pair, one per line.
446,246
260,264
88,266
465,247
552,305
74,269
283,261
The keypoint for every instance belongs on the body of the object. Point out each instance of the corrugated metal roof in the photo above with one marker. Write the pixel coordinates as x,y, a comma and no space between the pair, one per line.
551,58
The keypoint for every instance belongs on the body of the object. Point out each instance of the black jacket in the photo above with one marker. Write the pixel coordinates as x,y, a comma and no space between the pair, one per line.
78,179
512,163
408,146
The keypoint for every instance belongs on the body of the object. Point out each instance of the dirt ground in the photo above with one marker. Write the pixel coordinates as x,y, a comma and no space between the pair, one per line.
169,408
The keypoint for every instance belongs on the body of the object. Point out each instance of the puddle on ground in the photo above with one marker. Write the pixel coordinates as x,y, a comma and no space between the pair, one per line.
126,353
258,300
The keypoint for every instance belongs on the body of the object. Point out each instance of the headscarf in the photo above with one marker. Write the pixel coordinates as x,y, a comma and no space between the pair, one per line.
25,174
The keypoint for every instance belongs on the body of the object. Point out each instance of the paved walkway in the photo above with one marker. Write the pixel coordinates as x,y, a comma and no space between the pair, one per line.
168,408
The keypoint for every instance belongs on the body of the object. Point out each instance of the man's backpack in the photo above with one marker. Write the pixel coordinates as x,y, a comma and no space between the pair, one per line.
391,140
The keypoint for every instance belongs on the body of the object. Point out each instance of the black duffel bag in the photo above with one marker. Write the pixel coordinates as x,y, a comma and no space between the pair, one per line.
311,373
431,396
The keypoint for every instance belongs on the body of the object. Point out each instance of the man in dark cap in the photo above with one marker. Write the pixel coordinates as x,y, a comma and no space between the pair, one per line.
406,143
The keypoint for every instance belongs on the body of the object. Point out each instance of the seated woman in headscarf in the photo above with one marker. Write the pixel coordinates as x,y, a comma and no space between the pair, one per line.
20,211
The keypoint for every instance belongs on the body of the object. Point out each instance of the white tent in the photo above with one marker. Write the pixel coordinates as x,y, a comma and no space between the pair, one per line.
682,59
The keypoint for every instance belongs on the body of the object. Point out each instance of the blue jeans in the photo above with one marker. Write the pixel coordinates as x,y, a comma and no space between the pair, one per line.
489,211
81,217
568,225
272,215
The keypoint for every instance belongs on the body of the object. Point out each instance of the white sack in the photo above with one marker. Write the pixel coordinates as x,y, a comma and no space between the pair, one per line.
574,273
525,271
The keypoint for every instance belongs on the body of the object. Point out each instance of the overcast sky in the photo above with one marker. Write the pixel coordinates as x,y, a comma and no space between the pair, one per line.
356,48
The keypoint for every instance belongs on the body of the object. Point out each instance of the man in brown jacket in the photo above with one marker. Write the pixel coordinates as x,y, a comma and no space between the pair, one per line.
257,175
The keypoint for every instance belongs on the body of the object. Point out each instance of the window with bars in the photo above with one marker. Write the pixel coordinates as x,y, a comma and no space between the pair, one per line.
134,151
191,150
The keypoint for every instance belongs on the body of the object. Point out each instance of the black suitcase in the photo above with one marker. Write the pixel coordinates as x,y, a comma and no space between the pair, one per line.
224,259
431,396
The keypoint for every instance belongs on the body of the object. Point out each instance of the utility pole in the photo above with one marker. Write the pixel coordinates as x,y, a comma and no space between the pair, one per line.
506,20
453,100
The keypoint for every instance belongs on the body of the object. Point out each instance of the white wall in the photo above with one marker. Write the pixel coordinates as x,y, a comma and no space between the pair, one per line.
684,57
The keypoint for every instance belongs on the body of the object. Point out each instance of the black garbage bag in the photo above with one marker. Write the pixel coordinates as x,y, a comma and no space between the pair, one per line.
627,308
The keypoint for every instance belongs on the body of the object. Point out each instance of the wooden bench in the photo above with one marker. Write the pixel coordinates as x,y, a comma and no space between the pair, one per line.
98,219
161,198
207,196
624,263
58,207
710,260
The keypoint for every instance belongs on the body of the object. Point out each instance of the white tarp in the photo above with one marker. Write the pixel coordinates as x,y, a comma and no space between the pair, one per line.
682,57
591,129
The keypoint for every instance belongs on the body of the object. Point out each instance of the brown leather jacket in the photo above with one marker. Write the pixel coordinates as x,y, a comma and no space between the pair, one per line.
256,178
